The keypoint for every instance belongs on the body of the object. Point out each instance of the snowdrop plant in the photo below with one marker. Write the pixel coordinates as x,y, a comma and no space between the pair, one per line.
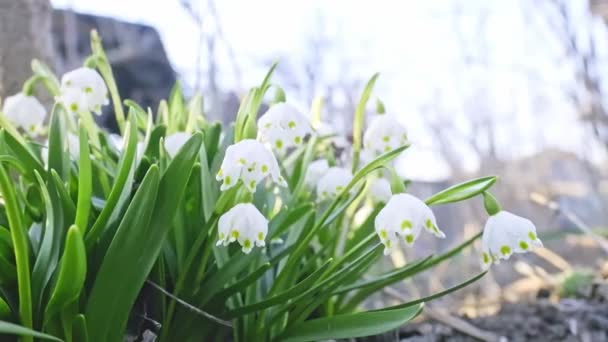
188,230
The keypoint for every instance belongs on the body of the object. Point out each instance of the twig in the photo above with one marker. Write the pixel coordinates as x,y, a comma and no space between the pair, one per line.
449,320
572,217
189,306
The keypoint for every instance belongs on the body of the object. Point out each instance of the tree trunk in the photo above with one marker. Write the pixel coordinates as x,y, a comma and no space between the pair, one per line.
25,33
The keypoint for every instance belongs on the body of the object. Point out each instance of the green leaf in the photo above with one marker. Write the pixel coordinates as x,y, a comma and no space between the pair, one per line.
72,274
350,325
216,281
462,191
137,244
286,218
384,280
282,297
24,154
20,244
50,247
120,189
15,329
57,158
435,295
177,114
79,329
5,309
359,118
122,261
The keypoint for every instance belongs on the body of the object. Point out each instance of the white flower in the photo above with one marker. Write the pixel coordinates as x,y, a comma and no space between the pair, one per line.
315,171
402,218
380,190
325,129
83,89
175,141
250,161
245,224
118,142
385,133
24,111
283,126
505,234
333,182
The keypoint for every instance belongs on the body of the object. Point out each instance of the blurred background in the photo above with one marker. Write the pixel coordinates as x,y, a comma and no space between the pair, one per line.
511,88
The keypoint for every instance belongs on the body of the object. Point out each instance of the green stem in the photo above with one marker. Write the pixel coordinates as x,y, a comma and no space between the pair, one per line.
20,244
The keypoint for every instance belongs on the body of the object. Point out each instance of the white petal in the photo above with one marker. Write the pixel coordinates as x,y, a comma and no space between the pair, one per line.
175,141
24,111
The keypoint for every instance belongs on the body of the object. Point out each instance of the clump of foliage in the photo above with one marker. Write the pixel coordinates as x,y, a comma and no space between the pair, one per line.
244,232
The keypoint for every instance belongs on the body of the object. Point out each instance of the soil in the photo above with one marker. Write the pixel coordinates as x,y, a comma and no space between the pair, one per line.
568,320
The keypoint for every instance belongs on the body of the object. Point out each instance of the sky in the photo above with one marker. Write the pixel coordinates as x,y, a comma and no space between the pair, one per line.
511,73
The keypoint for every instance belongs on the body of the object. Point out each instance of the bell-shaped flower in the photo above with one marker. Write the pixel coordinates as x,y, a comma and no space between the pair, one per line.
385,133
333,182
24,111
283,127
83,89
175,141
243,223
315,171
380,190
505,234
403,218
251,162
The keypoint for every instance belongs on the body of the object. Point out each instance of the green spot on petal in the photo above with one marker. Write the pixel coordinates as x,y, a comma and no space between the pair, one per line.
227,180
406,224
383,234
264,168
505,250
532,236
260,236
247,244
486,258
524,245
409,238
279,143
292,124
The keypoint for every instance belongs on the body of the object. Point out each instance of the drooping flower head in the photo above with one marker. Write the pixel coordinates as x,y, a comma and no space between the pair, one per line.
385,133
380,190
249,161
333,182
83,89
283,127
24,112
505,234
243,223
315,171
403,217
175,141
